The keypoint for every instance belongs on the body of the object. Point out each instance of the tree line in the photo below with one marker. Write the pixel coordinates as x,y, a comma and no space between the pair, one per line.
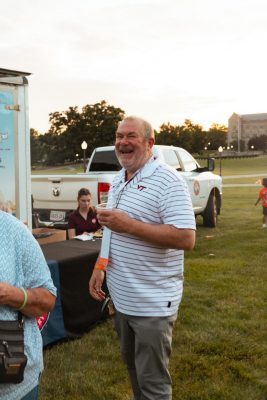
96,124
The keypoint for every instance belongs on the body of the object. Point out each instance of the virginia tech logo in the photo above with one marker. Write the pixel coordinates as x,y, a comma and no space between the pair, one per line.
140,187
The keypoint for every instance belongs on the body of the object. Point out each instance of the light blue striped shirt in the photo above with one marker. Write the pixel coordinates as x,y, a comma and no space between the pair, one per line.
22,264
145,279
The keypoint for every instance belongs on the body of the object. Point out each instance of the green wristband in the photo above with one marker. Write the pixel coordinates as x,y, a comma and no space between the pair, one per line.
24,300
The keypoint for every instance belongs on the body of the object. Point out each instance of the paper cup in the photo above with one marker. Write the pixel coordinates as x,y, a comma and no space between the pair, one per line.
105,206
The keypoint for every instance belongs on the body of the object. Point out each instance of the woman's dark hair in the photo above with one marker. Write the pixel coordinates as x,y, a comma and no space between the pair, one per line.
83,192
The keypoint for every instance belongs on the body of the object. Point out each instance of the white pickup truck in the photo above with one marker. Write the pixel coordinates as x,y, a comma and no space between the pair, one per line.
54,197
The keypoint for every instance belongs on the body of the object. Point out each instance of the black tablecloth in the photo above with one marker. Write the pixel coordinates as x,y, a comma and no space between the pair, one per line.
71,263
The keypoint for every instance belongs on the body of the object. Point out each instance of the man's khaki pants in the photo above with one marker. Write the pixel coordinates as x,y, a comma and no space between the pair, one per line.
146,348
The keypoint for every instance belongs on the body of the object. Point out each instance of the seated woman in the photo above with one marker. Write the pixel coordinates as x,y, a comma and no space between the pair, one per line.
83,220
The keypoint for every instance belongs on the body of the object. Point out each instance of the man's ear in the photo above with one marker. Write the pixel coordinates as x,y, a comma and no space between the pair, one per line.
151,142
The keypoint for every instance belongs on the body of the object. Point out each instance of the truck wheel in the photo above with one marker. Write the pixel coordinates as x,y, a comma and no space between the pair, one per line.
210,214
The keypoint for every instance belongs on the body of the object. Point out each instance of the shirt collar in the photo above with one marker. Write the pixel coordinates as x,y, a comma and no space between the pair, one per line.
145,171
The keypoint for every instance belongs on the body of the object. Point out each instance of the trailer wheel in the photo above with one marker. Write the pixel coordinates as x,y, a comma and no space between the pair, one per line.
210,215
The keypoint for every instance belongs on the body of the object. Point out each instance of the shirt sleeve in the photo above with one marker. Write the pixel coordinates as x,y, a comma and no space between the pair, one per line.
35,269
71,224
94,216
176,205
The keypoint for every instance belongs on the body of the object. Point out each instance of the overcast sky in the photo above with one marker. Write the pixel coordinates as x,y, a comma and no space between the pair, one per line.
164,60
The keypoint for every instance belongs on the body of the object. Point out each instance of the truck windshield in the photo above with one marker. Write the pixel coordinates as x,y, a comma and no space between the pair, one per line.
105,161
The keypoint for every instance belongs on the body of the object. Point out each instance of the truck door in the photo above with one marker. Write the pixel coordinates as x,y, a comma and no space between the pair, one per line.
189,166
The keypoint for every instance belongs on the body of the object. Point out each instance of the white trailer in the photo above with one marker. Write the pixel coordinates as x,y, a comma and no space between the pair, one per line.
15,166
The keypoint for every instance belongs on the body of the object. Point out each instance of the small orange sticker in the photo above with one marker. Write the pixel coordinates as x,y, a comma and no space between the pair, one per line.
196,188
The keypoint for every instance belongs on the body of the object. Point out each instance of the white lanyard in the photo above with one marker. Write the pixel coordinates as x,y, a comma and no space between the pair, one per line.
147,170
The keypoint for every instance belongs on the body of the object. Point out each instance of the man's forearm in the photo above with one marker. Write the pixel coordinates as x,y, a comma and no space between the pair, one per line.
162,235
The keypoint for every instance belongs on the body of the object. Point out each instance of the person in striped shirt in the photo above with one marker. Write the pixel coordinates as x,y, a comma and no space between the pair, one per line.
151,225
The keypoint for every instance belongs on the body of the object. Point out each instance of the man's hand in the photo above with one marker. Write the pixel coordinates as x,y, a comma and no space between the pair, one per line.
95,285
114,219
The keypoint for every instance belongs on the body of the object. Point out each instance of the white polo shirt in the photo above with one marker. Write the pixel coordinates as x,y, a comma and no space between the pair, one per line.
145,279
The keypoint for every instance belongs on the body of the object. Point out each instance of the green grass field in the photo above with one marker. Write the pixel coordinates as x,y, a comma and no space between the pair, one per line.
242,166
64,169
219,342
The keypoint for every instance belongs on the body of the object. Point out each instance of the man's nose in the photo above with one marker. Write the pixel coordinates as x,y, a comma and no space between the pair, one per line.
124,140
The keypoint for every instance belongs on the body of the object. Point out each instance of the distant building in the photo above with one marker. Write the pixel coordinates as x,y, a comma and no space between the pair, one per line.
247,126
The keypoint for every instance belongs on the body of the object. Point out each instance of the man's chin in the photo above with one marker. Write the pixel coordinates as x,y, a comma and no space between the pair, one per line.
125,161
